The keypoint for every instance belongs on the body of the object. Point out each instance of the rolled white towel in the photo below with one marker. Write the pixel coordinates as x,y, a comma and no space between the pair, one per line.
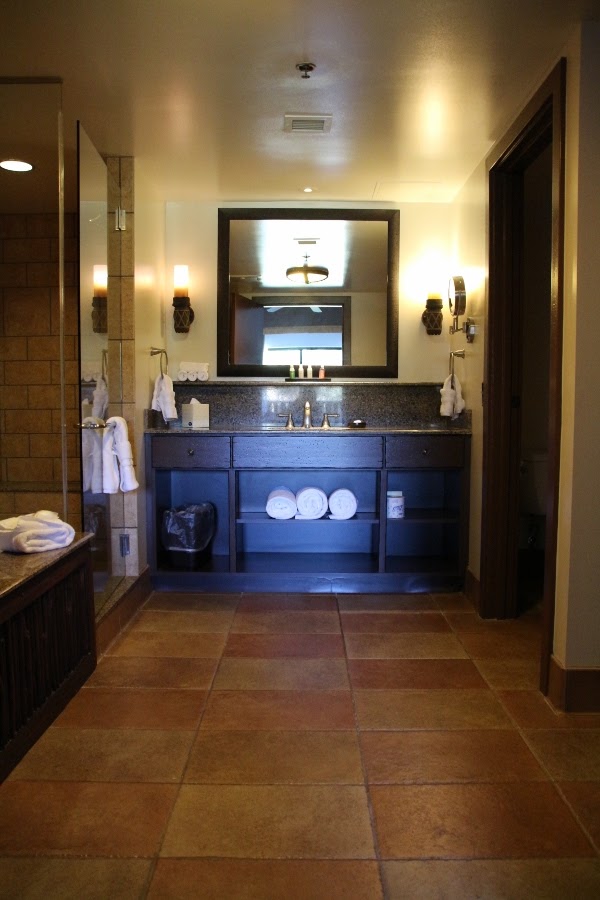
281,504
181,375
342,503
35,532
311,502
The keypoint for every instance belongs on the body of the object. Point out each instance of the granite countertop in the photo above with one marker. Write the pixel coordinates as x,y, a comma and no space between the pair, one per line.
18,568
450,427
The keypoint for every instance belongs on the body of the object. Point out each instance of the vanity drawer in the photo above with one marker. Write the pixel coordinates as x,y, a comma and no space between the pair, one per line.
424,451
307,452
201,451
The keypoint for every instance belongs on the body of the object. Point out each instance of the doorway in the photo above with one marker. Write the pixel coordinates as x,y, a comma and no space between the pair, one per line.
536,136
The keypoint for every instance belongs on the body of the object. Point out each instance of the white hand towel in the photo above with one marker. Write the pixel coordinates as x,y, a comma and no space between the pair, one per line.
459,403
448,398
100,398
281,504
110,468
124,454
91,455
311,502
342,504
163,399
35,532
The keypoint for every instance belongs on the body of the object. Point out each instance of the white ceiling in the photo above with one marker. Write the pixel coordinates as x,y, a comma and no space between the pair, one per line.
197,89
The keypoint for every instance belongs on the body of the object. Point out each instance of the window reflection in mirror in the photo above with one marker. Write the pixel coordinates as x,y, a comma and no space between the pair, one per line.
346,321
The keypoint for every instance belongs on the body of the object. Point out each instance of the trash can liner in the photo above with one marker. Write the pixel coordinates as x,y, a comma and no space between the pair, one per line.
188,528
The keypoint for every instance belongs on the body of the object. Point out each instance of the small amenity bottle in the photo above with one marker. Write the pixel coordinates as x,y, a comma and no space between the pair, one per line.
292,372
322,372
300,371
395,505
309,372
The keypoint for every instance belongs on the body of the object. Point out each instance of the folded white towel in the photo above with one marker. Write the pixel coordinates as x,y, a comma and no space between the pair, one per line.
311,502
342,503
452,399
124,454
100,398
35,532
281,503
163,399
110,467
91,455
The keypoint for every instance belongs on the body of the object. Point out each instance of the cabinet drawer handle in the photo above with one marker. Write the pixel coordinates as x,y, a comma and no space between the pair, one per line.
190,451
425,451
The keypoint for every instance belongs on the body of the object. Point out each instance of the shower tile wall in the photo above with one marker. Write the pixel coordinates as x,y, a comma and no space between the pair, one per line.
30,417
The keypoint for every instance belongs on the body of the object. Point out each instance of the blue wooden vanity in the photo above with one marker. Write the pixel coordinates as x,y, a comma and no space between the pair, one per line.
369,553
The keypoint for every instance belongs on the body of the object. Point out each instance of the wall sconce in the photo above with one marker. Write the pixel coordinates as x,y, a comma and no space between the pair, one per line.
99,305
183,314
432,314
457,302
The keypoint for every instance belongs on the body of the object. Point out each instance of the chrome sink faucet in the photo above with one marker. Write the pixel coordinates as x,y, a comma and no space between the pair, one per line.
307,422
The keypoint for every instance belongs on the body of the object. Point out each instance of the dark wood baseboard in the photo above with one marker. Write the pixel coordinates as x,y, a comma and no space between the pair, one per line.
574,690
122,612
473,590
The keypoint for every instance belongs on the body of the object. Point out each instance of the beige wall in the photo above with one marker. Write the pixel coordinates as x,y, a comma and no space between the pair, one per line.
577,624
469,235
425,265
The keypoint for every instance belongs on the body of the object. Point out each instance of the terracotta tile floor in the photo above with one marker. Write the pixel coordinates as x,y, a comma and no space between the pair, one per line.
305,747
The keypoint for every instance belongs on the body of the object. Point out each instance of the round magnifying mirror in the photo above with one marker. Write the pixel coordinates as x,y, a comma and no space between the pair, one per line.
457,296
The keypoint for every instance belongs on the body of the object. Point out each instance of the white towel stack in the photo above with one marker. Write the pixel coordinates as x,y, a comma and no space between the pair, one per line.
35,532
281,503
452,399
163,399
342,504
191,371
311,503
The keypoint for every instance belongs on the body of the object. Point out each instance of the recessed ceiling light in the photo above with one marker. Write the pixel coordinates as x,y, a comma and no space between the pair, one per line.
16,165
307,190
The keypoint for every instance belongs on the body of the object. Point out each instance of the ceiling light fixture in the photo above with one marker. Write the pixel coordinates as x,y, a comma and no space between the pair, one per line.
16,165
307,274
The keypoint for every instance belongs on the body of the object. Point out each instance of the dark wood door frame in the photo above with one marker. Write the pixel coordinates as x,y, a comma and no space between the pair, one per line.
540,124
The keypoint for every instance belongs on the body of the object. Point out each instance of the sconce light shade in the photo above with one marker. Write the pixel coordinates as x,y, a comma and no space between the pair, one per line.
99,300
432,314
183,314
306,274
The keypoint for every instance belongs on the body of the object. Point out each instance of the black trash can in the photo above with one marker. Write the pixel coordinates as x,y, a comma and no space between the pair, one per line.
187,534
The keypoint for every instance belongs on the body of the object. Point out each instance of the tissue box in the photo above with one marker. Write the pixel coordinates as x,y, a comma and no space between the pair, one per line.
194,415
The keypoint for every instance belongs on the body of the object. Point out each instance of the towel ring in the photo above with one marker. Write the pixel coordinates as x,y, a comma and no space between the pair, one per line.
153,352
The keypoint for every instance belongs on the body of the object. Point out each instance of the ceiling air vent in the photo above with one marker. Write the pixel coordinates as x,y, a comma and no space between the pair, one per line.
314,124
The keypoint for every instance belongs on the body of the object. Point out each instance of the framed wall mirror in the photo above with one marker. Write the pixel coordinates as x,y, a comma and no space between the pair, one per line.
311,286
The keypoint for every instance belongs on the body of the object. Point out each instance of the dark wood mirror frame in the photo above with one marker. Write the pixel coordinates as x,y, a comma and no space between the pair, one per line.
224,325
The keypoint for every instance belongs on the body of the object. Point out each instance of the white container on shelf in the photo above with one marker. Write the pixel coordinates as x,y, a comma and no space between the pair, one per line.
395,505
